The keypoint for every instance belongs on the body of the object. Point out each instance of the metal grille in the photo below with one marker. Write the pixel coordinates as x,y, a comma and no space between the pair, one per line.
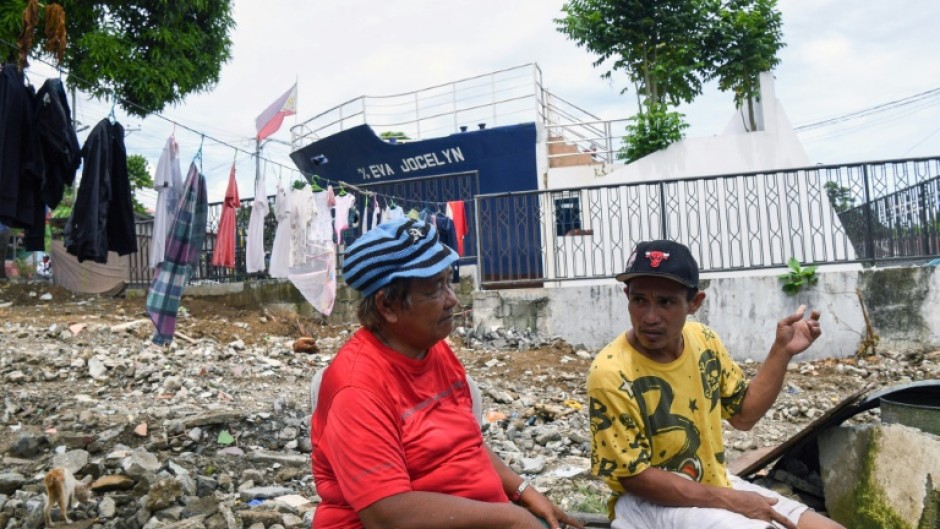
876,211
141,275
432,192
871,212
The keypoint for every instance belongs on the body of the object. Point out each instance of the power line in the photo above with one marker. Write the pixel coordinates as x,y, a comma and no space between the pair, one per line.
203,136
871,121
918,144
127,104
884,107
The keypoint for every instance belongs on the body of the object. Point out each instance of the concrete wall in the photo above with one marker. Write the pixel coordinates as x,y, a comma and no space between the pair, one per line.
281,294
744,310
901,303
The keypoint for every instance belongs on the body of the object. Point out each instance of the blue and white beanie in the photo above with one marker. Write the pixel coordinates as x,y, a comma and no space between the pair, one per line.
399,248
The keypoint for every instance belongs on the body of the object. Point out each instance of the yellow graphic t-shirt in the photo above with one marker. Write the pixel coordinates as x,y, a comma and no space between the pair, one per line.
650,414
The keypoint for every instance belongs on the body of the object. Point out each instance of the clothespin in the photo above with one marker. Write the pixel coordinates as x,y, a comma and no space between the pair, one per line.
111,115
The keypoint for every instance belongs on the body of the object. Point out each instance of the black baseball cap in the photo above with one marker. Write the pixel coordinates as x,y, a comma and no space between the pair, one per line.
668,259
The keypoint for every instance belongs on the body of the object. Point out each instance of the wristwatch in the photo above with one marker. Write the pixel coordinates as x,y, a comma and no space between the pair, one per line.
517,494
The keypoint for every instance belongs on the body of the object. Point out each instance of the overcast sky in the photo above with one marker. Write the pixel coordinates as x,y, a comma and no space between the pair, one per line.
841,56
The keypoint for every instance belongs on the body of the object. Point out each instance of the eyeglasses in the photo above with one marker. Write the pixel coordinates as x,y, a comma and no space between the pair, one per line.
438,292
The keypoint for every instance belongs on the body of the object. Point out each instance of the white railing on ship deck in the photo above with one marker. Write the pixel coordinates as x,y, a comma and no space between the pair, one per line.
504,97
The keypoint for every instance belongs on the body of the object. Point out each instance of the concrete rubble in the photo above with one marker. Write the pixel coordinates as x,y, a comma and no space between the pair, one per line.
225,442
881,475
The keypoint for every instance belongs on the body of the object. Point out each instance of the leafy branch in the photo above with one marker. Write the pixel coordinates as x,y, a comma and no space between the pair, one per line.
797,277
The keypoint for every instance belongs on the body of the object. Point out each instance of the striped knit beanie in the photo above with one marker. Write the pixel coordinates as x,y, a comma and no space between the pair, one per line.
398,248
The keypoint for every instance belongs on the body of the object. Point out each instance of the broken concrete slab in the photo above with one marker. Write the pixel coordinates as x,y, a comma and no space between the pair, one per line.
284,459
880,475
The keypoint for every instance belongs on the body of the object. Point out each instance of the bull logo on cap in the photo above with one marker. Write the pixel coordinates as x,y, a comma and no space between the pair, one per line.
656,258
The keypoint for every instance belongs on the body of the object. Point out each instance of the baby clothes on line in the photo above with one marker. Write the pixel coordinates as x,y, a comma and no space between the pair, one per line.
321,228
341,218
254,244
376,212
394,213
302,212
280,249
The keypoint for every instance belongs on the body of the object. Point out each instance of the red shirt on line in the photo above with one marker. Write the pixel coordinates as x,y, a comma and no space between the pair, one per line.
387,424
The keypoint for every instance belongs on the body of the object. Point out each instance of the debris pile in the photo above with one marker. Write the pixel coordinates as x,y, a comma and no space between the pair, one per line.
213,431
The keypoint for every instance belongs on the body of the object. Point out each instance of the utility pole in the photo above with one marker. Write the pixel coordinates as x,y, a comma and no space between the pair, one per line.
257,161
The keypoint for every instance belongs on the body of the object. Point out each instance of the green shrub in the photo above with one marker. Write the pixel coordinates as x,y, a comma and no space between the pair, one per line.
798,277
652,131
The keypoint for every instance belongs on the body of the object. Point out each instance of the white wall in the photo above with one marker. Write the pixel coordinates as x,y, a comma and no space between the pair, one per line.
795,199
773,146
743,310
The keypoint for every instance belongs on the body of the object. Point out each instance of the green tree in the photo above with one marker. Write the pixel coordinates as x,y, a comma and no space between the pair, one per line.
149,53
138,172
657,43
839,196
744,42
668,48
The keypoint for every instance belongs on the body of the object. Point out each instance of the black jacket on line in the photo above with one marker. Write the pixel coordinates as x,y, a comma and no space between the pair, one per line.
20,159
103,217
58,141
61,156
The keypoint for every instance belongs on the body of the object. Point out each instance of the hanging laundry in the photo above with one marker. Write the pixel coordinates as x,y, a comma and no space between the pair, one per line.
427,215
280,249
21,165
376,212
350,233
183,249
302,211
316,279
58,141
103,216
341,218
458,214
168,182
315,276
254,247
224,252
366,219
445,231
321,227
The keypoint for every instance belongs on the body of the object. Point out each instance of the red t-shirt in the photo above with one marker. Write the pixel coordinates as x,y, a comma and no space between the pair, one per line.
387,424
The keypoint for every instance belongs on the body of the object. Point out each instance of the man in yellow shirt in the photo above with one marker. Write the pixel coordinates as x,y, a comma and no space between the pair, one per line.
658,394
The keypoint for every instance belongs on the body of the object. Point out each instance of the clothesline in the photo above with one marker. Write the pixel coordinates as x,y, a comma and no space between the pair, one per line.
204,136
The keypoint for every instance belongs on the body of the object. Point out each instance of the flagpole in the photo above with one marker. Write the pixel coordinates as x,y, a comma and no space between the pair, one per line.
257,161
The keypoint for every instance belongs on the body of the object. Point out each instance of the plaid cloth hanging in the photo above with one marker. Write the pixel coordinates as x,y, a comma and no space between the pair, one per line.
183,246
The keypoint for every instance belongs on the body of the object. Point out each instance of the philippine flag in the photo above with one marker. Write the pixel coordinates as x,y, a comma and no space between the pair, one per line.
270,120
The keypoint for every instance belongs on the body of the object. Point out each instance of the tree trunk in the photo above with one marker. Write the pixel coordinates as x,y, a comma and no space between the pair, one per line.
750,114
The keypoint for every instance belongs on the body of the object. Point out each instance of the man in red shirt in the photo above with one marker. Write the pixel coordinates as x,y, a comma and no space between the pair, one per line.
395,443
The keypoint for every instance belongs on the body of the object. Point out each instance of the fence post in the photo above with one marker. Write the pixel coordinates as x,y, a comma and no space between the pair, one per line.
480,260
869,231
662,209
923,204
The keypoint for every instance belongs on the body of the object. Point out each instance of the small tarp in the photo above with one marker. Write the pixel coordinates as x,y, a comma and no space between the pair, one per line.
89,277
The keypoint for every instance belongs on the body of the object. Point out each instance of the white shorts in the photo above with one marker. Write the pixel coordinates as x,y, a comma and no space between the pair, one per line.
636,513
